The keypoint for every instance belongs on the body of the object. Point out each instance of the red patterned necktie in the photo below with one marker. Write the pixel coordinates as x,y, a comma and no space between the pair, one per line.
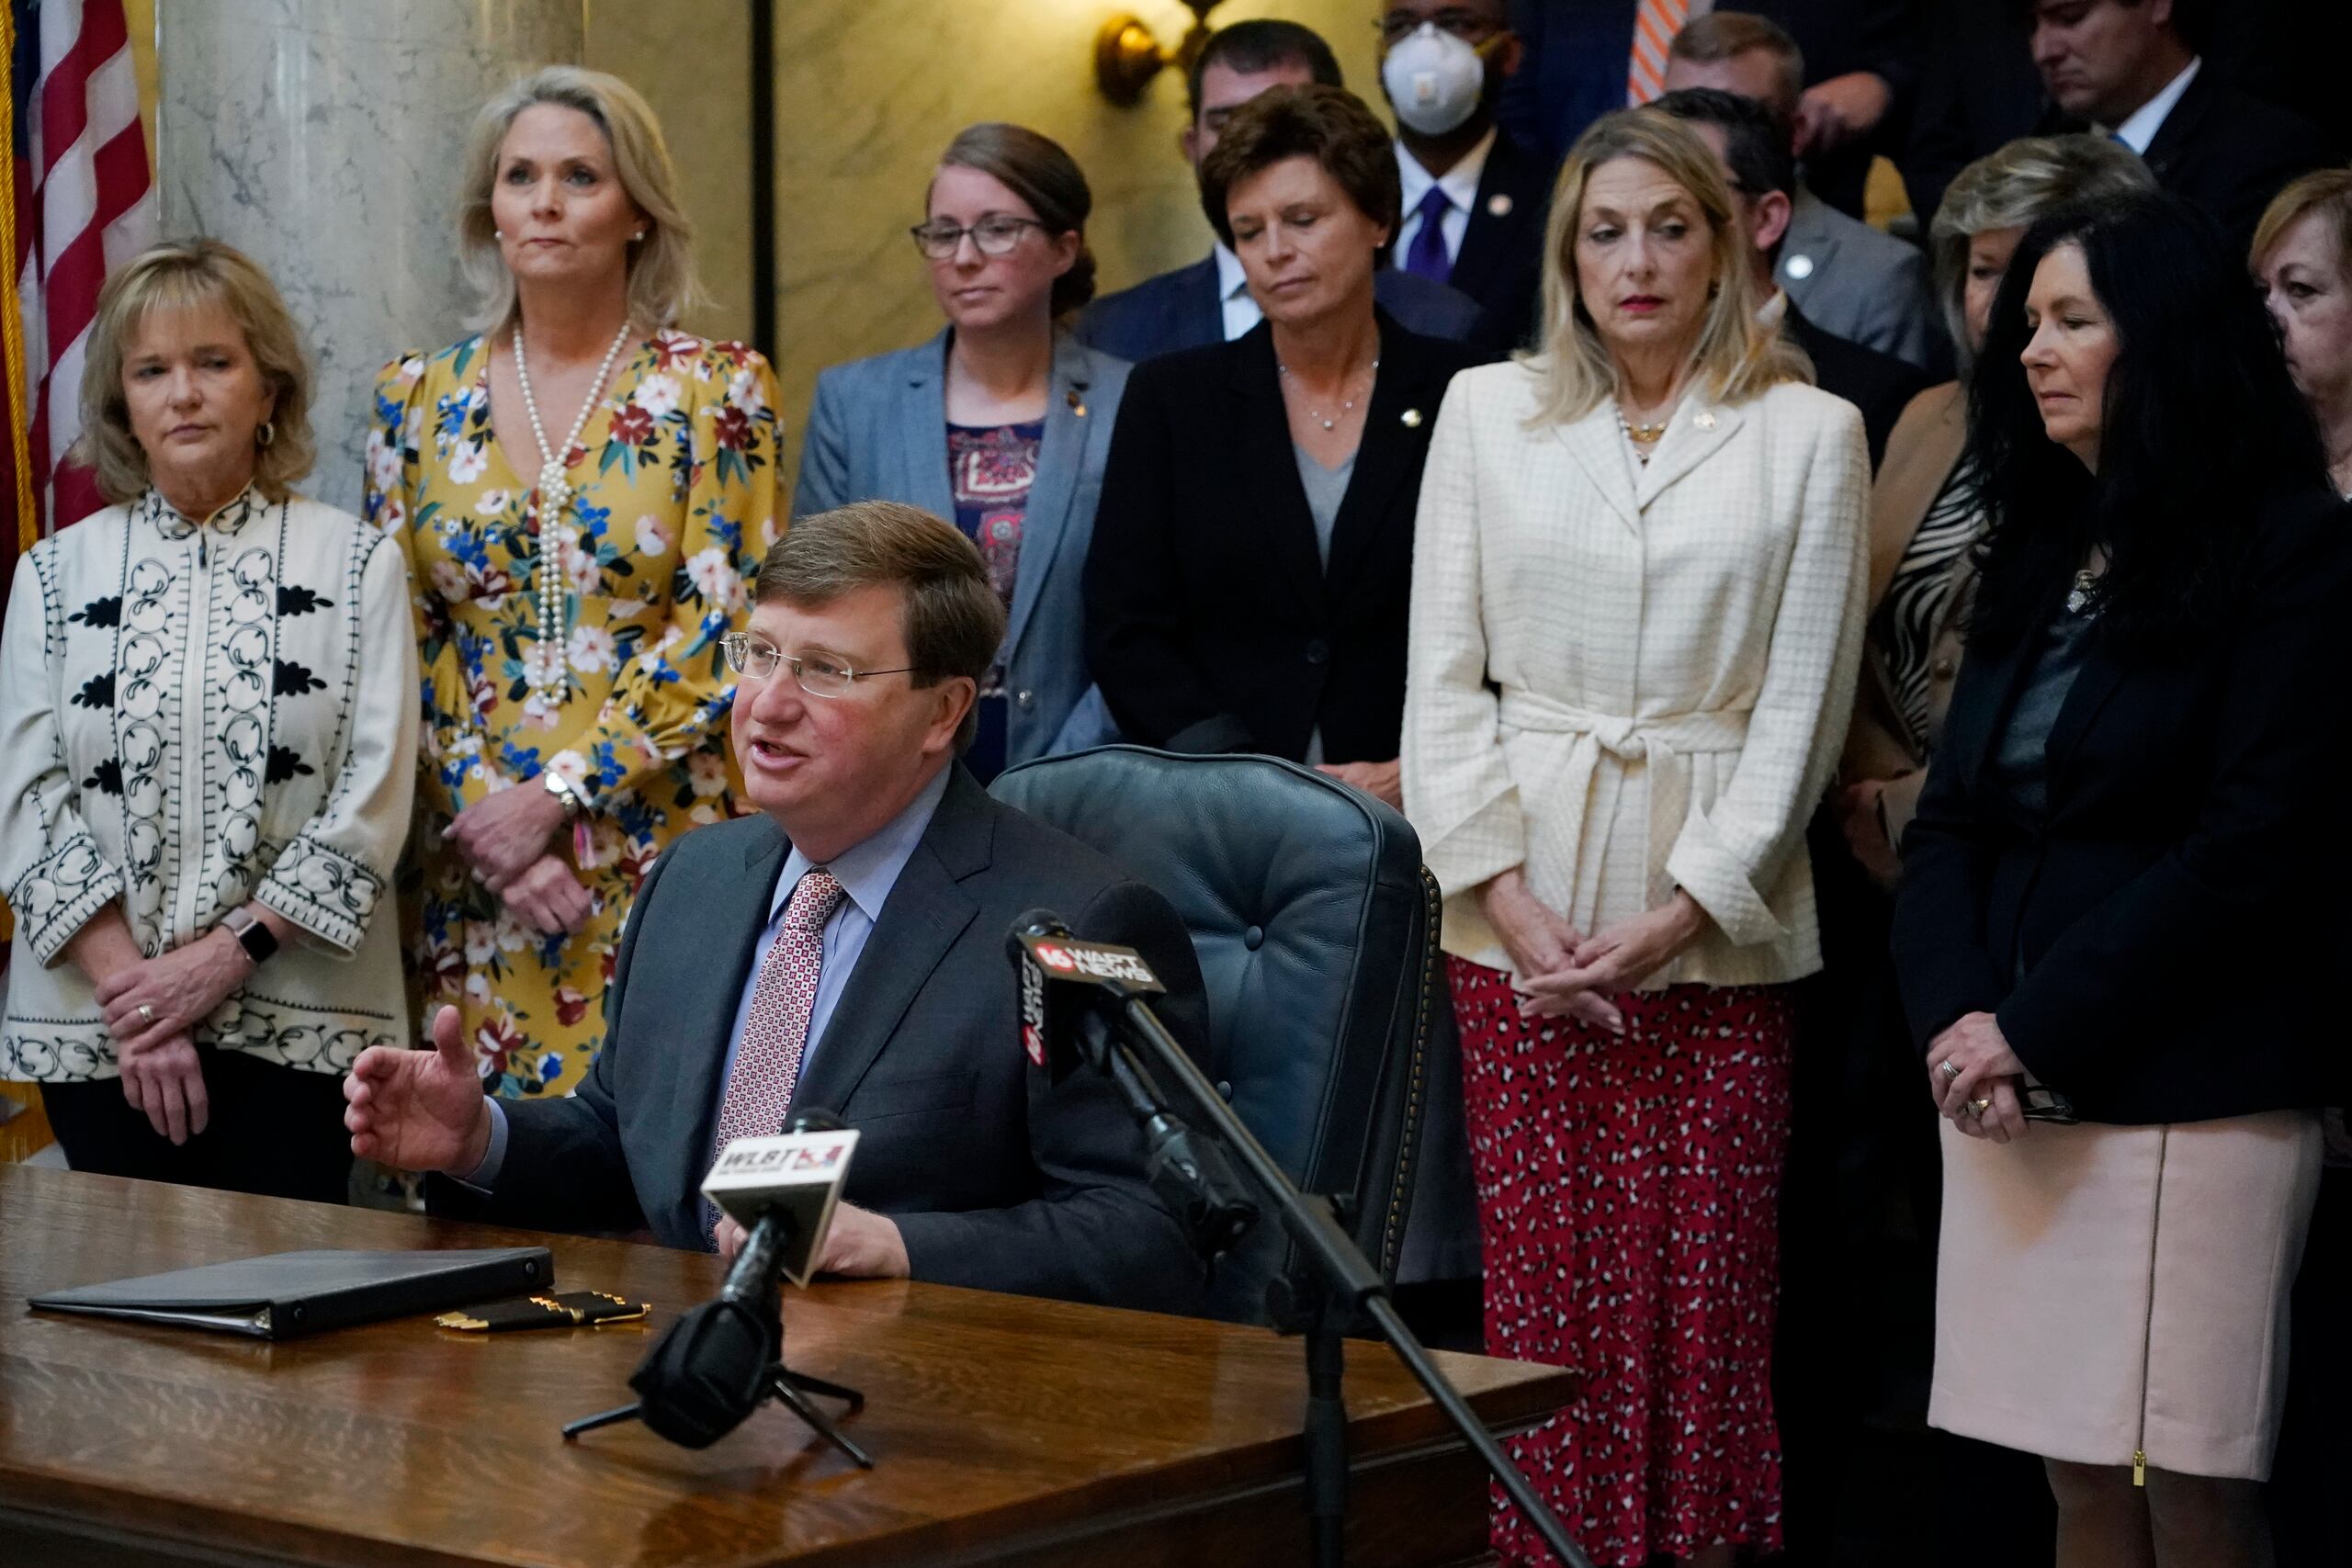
1655,26
775,1031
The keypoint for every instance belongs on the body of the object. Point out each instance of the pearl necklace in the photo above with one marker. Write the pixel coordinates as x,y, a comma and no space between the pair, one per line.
1346,406
543,669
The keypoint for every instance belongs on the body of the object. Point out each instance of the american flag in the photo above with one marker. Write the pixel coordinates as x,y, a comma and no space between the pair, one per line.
83,205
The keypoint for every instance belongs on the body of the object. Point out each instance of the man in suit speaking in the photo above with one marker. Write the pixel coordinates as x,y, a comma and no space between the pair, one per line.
845,949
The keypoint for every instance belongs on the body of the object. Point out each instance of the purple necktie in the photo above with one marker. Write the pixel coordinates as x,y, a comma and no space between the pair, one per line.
1426,256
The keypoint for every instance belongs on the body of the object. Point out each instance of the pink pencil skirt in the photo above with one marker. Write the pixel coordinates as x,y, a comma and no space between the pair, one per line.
2107,1293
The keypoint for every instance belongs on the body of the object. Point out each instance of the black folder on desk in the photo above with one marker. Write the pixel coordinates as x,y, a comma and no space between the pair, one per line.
286,1293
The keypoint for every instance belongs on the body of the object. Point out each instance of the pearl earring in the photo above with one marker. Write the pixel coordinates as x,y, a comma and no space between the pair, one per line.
639,235
498,234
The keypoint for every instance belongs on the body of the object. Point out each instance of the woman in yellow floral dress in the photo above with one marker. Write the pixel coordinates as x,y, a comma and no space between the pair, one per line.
585,494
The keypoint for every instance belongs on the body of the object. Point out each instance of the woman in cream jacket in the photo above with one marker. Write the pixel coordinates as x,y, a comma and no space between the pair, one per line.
1636,618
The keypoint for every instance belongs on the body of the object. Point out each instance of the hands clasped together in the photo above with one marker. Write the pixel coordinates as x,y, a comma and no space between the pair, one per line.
504,837
1566,975
1974,1078
151,1006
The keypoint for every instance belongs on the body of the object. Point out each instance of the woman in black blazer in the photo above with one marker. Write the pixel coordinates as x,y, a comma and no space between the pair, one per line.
2139,778
1246,588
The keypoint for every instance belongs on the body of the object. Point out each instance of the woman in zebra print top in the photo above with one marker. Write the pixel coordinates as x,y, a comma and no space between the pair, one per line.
1924,519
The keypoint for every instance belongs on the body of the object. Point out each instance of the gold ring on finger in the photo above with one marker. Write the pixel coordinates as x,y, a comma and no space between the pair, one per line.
1978,1106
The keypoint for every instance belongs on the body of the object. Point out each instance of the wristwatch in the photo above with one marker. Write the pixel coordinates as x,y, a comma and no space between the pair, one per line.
572,804
258,940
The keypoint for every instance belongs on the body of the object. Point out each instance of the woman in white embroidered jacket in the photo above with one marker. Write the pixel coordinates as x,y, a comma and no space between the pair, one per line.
207,749
1636,617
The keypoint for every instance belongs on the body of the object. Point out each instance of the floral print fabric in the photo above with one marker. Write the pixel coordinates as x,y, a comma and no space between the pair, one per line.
676,476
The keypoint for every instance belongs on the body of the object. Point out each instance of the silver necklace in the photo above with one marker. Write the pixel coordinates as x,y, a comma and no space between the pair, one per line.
543,669
1346,406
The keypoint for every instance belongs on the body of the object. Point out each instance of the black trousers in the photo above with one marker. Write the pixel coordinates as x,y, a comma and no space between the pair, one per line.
273,1130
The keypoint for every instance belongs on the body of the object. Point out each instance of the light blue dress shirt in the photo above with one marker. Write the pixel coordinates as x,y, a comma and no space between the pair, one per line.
866,871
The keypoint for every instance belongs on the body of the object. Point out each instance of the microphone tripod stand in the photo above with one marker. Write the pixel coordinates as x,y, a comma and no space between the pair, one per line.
779,1382
1333,1281
692,1387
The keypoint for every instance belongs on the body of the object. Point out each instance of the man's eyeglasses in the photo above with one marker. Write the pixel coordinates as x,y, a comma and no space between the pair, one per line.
820,675
1463,23
996,235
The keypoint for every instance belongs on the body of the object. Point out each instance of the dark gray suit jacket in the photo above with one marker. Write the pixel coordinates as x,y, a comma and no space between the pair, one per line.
996,1179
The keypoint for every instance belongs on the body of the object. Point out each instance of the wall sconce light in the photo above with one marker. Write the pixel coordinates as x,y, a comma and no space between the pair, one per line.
1126,57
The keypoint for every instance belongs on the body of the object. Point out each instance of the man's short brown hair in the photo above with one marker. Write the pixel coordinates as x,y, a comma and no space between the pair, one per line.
1330,125
1719,36
955,622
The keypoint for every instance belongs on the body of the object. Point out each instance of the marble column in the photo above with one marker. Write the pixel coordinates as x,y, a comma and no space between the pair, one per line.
324,137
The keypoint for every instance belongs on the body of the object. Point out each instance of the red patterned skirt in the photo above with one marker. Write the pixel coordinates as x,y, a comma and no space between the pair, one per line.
1628,1195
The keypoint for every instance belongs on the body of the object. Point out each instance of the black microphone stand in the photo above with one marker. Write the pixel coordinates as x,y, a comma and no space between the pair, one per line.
1337,1282
667,1379
779,1382
1190,1175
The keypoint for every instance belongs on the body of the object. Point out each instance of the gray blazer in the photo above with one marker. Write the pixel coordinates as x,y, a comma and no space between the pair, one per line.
998,1181
1862,284
878,431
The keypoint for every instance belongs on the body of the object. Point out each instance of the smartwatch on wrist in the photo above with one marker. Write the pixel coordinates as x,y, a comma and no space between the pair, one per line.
258,940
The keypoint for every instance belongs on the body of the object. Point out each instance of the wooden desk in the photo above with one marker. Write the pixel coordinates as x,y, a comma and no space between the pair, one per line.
1007,1430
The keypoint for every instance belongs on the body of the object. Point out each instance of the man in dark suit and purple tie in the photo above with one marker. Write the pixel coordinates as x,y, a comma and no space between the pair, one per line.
1475,199
845,948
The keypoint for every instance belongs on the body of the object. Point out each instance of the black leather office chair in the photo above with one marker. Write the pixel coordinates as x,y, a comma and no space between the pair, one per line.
1317,929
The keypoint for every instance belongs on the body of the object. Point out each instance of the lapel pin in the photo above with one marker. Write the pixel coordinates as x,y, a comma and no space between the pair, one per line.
1499,204
1704,420
1076,403
1412,418
1800,266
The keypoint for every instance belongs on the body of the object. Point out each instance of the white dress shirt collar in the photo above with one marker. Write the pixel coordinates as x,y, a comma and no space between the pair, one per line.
1460,182
869,869
1234,300
2147,119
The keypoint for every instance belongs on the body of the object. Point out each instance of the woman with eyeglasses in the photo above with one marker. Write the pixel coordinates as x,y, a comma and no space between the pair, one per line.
1000,423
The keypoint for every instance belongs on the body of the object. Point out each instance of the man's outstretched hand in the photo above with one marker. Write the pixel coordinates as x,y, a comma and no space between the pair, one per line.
419,1110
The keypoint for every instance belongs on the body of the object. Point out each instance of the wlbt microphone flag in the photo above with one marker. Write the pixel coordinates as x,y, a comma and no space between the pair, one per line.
795,1177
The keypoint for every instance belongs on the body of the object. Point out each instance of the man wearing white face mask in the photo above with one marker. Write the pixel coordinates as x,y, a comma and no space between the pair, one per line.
1209,301
1475,199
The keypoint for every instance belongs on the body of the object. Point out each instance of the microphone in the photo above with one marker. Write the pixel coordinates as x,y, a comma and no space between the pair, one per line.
782,1190
1043,949
1099,984
714,1366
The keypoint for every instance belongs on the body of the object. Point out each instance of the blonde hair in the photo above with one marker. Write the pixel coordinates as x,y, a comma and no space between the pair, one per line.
175,275
2013,188
1736,357
662,282
2325,191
